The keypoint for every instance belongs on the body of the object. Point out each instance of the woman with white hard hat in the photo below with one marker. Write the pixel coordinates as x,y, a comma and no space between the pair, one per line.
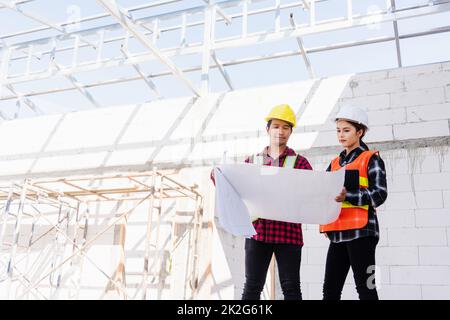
355,234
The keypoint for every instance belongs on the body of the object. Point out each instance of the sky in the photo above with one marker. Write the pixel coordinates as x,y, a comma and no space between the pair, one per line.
415,51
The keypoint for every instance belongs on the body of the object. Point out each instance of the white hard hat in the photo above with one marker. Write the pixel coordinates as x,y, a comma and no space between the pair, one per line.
353,114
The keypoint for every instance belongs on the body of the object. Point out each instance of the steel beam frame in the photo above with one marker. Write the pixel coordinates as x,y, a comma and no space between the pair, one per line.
147,30
119,14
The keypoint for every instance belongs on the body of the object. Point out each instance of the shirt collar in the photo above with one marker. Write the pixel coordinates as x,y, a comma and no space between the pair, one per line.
354,153
287,152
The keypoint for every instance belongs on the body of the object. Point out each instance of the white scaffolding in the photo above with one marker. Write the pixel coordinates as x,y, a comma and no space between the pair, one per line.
136,24
48,227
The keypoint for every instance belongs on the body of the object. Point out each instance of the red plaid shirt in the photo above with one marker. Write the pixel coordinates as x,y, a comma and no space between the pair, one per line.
272,231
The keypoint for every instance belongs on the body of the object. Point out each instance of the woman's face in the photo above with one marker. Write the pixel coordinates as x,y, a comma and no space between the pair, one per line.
347,135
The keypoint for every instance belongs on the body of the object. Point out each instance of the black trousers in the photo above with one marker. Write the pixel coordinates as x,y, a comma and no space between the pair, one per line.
358,254
257,259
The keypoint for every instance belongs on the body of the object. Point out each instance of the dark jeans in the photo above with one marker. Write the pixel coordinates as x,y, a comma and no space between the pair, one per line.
360,255
257,259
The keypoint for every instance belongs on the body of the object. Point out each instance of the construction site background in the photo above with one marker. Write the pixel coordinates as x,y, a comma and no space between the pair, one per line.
409,118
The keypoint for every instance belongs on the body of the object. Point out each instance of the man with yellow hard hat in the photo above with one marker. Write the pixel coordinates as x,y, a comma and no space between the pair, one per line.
284,239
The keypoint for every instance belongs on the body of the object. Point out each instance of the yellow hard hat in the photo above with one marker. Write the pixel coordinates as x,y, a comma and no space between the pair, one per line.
282,112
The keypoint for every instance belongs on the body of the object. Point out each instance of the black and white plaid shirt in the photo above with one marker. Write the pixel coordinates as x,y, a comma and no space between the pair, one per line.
374,196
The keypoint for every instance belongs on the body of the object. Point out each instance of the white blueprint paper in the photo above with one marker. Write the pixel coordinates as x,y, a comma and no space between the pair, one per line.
230,210
276,193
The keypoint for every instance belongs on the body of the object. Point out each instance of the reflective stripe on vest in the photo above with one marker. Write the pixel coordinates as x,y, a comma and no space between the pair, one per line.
289,161
351,216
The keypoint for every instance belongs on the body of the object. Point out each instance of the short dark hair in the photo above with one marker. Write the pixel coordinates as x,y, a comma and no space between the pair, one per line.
270,122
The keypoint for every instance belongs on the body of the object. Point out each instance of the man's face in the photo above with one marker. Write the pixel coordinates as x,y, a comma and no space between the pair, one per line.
279,132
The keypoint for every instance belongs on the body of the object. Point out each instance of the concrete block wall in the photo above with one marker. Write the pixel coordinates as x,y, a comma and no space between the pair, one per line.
408,110
414,229
409,123
413,254
414,244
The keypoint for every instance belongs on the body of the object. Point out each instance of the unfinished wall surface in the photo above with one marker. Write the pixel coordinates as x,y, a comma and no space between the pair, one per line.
409,112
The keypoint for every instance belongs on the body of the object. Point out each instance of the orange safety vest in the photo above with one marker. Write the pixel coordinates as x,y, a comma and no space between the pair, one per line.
352,217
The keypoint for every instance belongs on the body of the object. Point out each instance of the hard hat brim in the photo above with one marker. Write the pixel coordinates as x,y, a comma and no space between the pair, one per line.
272,118
353,121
